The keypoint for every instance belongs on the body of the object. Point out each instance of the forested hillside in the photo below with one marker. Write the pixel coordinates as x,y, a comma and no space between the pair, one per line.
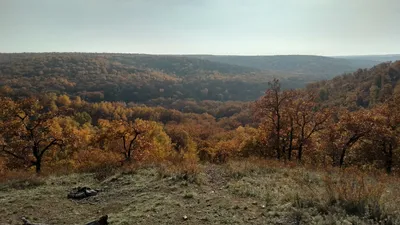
363,88
132,78
148,78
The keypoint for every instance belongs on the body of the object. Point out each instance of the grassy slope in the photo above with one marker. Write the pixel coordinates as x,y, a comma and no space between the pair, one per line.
237,193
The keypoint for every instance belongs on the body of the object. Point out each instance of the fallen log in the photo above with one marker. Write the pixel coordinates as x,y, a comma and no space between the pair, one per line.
27,222
101,221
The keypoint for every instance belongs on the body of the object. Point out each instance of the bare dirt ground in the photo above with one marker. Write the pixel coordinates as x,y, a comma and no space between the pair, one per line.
237,193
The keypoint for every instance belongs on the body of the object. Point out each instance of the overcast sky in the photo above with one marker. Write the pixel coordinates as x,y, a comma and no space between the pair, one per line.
240,27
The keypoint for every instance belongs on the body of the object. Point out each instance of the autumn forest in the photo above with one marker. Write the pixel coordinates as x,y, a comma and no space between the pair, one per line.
80,112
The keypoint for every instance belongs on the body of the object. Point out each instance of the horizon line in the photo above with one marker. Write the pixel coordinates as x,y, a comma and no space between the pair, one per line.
200,54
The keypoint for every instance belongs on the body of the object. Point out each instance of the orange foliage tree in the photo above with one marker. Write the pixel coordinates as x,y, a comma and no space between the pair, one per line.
27,134
344,132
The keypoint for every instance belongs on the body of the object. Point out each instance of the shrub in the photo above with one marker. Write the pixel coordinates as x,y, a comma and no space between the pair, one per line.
96,160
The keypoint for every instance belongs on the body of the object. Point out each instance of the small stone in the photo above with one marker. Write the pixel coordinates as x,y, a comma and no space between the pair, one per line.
346,222
90,192
263,206
185,217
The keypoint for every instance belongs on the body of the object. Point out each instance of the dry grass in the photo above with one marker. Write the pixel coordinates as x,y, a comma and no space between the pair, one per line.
20,180
252,166
239,192
360,194
187,169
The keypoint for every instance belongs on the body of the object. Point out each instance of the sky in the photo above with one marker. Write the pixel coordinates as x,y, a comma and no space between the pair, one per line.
221,27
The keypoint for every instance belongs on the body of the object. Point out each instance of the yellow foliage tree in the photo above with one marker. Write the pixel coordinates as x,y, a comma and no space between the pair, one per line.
138,140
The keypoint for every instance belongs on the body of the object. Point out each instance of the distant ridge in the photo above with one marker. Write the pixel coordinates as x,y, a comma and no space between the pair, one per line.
144,77
319,67
376,58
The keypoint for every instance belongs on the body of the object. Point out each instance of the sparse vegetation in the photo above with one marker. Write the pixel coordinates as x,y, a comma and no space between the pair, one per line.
266,193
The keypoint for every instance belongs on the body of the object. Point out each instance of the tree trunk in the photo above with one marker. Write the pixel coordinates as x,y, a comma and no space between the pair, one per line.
300,152
342,155
278,129
278,153
290,143
38,165
389,159
302,138
349,143
128,157
38,158
278,147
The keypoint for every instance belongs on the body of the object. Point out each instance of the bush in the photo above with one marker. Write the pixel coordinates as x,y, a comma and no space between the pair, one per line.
96,160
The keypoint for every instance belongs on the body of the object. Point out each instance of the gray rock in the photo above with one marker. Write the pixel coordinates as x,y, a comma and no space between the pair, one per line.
81,193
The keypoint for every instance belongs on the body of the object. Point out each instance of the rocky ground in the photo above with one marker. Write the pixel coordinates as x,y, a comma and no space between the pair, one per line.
236,193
